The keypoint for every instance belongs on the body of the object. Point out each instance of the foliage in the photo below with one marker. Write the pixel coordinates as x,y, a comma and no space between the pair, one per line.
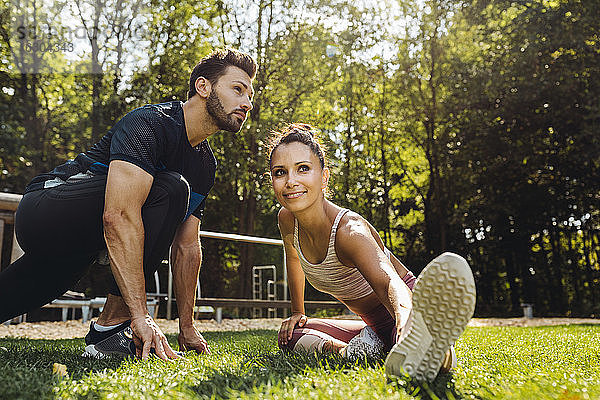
468,126
526,134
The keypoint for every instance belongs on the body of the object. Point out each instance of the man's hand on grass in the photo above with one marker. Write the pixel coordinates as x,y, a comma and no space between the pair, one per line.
147,335
190,339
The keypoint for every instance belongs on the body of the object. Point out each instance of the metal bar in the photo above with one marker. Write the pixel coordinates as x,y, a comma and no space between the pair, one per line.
241,238
10,201
1,239
217,302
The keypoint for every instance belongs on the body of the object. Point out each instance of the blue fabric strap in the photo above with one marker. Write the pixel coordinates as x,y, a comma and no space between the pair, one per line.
195,200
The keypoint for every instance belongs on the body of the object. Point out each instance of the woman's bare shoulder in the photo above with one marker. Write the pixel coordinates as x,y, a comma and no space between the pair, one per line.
352,230
285,219
353,225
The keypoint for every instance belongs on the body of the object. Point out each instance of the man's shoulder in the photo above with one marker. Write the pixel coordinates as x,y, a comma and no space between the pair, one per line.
160,113
168,109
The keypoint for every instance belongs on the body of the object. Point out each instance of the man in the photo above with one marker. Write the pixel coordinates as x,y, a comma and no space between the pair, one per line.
136,192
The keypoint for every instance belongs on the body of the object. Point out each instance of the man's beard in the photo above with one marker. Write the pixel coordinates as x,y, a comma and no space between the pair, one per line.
216,110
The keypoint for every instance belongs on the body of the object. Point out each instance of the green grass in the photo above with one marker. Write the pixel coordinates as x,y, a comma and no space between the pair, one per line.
494,363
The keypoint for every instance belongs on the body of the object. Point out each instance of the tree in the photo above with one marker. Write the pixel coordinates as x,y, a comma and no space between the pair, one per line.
525,142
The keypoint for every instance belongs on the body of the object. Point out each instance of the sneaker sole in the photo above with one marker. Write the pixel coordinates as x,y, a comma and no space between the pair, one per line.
91,352
118,344
443,303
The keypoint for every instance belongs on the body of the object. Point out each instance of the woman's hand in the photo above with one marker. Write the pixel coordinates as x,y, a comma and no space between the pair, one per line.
288,325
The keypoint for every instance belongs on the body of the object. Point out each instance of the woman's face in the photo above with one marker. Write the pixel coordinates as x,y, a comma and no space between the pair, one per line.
297,177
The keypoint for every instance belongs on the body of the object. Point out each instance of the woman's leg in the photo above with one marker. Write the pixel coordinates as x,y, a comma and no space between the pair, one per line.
443,303
323,335
379,319
407,276
383,324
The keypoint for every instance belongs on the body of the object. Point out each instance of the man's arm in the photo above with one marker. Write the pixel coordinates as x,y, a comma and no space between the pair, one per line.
186,258
127,188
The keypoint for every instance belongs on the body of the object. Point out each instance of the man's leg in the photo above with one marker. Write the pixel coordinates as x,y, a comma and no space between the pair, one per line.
114,312
60,231
31,282
62,220
162,214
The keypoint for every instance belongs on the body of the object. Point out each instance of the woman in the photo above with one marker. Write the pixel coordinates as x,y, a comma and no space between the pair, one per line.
341,253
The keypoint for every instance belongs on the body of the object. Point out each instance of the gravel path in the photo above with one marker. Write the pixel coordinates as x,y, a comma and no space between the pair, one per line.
75,329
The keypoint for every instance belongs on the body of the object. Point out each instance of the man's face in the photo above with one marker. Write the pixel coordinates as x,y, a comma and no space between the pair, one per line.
230,99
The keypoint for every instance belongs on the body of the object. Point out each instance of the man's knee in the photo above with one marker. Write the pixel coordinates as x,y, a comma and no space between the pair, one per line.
171,186
175,184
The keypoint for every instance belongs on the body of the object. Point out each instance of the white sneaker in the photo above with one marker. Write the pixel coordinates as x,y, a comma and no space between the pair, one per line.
443,304
366,343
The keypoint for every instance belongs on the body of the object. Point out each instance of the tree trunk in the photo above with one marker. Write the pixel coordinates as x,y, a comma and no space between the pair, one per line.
387,237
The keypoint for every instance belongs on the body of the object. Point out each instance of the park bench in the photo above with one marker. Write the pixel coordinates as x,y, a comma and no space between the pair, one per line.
88,305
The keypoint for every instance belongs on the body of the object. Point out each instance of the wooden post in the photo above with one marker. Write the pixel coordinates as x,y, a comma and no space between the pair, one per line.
1,239
8,205
15,254
16,249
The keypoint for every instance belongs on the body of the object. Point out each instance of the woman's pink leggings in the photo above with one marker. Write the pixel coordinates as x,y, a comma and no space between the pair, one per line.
317,331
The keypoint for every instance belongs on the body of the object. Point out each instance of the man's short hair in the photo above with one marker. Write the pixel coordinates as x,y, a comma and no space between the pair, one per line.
214,65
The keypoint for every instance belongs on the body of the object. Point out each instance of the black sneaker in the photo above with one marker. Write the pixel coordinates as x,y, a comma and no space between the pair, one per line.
117,341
